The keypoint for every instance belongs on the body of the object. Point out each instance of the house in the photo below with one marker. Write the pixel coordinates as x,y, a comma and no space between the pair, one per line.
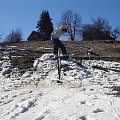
35,36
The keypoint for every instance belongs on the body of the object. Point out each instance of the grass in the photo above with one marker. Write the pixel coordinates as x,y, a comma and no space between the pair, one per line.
107,49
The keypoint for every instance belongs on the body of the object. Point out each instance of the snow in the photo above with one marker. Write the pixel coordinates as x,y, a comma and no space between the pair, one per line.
83,93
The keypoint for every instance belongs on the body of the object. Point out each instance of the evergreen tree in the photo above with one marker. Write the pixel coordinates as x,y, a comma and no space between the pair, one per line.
44,25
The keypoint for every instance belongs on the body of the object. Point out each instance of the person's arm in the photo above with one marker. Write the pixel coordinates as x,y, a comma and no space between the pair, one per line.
63,26
57,32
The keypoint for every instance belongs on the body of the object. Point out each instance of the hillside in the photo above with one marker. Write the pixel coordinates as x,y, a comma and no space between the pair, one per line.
30,88
82,93
108,50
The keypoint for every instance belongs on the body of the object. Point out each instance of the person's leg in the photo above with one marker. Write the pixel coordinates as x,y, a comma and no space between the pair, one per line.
62,47
93,53
58,44
55,45
64,52
55,49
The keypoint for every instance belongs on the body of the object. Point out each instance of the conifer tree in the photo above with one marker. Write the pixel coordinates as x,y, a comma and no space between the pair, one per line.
44,25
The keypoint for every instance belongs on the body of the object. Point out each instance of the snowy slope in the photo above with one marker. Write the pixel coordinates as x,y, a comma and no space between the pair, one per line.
83,93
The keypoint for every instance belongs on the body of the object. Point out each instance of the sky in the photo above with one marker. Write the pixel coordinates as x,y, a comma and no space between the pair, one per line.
24,14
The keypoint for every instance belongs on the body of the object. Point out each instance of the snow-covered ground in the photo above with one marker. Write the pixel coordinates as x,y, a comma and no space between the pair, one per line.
83,93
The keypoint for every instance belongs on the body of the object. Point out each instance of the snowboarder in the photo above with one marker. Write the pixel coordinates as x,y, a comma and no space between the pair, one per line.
56,42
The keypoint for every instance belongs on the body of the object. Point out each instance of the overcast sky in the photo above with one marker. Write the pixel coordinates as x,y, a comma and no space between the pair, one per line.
24,14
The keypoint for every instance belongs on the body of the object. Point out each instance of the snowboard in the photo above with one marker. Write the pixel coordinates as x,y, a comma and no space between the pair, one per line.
62,57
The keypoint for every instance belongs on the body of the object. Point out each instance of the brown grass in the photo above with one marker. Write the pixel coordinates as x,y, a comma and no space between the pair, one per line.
108,50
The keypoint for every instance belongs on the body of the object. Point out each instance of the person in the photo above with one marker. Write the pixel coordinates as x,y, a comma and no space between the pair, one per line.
91,52
55,35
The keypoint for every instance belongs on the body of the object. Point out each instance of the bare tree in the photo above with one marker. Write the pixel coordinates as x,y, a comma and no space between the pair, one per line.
18,35
98,29
115,33
73,21
87,31
14,36
101,24
0,36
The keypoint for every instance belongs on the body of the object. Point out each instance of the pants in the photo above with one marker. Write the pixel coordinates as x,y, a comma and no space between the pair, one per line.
58,44
92,53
